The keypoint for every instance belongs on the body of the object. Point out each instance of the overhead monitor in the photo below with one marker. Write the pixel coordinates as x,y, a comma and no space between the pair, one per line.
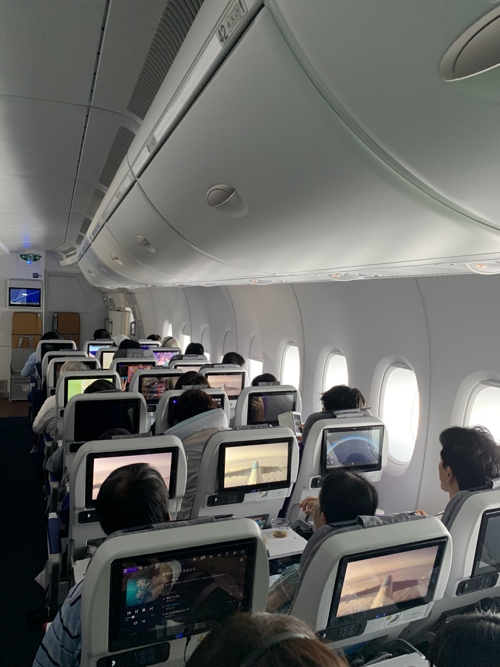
97,346
75,386
265,407
100,466
126,370
93,418
386,581
106,359
487,557
255,466
162,596
163,356
24,297
231,383
355,447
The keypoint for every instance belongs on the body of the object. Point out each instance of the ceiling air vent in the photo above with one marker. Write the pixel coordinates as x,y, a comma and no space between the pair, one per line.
174,25
121,144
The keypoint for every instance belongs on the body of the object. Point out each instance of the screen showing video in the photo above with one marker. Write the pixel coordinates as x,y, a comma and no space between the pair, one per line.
56,346
264,408
99,467
125,371
23,297
356,447
160,596
487,558
216,399
231,383
250,466
89,363
93,348
163,357
93,418
78,385
106,359
379,585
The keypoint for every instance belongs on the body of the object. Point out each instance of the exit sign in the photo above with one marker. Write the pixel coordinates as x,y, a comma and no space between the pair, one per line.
29,258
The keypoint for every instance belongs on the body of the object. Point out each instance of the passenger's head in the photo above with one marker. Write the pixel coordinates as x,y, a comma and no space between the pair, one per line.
154,337
132,496
101,334
72,366
170,341
100,385
470,458
265,377
471,640
50,335
191,378
128,344
344,496
263,640
195,348
342,397
233,358
189,404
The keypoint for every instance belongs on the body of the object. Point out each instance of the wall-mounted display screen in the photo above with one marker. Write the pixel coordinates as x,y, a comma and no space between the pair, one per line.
487,557
24,297
264,408
382,582
251,466
231,383
75,386
357,447
155,597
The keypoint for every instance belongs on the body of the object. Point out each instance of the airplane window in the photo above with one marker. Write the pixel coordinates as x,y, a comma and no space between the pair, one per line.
399,409
290,365
483,409
335,371
254,368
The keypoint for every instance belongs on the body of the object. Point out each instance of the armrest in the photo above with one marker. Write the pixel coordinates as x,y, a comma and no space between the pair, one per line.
53,568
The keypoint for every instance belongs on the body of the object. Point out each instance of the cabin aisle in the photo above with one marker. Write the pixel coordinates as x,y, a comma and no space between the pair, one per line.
23,544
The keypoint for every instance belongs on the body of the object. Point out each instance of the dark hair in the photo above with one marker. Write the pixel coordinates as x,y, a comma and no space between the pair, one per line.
248,639
107,435
191,377
195,348
128,344
132,496
346,495
101,334
50,335
472,454
100,385
342,397
471,640
265,377
233,358
189,404
154,337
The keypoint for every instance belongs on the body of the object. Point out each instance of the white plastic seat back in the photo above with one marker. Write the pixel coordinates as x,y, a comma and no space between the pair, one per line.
360,443
74,383
67,355
125,366
193,557
264,404
474,526
88,416
90,347
165,404
96,460
371,579
147,343
196,361
246,473
232,379
55,344
105,355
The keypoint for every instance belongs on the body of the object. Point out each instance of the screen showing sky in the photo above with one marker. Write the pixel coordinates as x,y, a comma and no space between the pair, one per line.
256,464
105,466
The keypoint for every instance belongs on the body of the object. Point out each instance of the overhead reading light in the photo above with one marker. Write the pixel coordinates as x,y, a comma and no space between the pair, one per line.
260,281
344,277
476,51
484,268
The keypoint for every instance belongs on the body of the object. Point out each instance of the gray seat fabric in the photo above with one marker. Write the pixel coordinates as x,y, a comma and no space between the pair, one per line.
456,503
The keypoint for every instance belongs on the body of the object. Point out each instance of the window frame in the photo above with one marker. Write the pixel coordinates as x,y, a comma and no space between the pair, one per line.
286,346
471,399
334,352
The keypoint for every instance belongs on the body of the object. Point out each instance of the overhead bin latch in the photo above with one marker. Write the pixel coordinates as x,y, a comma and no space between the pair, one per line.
225,198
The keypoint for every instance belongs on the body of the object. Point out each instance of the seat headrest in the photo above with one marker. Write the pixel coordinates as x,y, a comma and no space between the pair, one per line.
212,419
330,529
134,354
163,526
456,502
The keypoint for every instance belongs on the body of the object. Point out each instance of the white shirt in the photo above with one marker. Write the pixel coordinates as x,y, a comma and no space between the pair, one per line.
46,419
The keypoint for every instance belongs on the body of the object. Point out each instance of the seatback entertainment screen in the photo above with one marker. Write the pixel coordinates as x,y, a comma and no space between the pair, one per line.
231,383
250,466
264,408
357,447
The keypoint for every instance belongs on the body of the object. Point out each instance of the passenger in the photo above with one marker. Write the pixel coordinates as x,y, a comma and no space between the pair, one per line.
344,496
194,419
131,497
191,378
46,419
340,397
470,459
233,358
170,341
101,334
125,345
119,339
195,348
154,337
263,640
265,377
29,366
471,640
